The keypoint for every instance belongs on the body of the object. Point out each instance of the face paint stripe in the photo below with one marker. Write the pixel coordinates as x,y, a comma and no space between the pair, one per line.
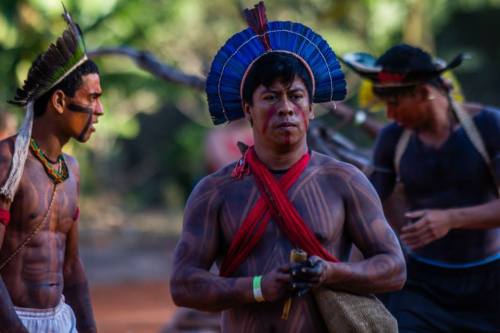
82,109
79,108
81,137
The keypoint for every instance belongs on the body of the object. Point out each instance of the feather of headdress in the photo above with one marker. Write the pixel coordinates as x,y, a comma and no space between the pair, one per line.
61,58
257,20
457,61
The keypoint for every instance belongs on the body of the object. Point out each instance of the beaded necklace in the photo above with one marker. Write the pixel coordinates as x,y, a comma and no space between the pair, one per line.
57,176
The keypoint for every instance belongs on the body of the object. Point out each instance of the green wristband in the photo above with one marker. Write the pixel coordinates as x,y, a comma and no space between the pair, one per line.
257,291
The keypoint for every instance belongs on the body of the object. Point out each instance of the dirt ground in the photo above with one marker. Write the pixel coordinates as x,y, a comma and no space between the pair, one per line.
128,270
132,307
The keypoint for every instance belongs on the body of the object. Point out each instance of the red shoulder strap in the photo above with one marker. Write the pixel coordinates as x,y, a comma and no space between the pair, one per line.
279,206
284,212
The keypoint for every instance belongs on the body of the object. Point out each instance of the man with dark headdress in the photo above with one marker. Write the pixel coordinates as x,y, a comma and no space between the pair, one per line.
447,157
249,215
43,287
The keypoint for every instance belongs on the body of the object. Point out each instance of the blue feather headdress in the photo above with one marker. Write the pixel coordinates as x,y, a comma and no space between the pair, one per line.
234,60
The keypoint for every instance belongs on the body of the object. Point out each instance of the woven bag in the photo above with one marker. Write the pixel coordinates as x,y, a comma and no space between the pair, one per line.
344,312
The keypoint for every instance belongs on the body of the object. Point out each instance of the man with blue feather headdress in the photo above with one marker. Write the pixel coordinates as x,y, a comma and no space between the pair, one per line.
280,196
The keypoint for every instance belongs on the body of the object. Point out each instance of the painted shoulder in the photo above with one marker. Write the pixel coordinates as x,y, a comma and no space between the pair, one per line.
215,182
72,163
331,164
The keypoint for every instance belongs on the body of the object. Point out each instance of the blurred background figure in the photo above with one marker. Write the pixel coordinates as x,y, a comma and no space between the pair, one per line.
8,124
445,157
220,144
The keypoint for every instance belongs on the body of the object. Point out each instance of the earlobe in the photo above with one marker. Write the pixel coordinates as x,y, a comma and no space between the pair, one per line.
58,101
246,111
311,113
426,93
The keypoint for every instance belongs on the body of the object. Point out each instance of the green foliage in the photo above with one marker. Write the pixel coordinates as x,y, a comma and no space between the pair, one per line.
148,146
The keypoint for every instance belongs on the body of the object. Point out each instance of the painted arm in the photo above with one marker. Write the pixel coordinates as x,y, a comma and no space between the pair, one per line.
192,284
383,178
383,268
9,321
76,289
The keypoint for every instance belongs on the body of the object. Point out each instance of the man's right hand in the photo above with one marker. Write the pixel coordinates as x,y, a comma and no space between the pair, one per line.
276,285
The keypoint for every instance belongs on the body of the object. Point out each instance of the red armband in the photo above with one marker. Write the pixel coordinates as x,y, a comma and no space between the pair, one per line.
4,217
76,214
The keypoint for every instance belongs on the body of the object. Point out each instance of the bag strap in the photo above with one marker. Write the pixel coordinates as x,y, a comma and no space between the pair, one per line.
470,130
400,149
474,136
35,231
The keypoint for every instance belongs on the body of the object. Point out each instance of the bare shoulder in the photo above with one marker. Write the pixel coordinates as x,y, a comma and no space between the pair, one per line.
72,164
340,175
6,153
213,185
328,165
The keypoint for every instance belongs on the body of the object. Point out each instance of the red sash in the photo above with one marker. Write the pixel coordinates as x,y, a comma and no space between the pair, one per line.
273,201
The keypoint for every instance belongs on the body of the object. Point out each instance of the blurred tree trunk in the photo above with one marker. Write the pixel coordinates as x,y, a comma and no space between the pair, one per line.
418,28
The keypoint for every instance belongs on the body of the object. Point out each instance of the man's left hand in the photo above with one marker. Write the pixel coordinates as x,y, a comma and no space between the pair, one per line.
309,274
430,225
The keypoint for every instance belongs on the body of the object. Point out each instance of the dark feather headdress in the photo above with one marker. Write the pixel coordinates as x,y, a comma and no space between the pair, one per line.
234,60
61,58
52,66
402,65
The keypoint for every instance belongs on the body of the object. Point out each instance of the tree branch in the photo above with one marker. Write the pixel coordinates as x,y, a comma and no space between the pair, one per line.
325,139
149,63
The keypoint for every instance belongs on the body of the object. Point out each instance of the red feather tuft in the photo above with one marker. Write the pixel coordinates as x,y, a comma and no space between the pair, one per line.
257,20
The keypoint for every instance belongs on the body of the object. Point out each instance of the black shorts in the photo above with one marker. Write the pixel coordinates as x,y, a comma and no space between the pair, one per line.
437,299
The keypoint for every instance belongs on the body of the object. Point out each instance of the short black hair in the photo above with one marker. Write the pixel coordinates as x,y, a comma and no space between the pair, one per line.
272,66
69,85
402,58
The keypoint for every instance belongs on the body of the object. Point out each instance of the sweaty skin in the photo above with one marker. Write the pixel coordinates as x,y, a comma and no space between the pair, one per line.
49,266
334,199
49,263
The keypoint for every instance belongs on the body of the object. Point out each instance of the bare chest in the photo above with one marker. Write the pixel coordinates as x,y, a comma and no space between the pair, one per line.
38,202
322,212
304,316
